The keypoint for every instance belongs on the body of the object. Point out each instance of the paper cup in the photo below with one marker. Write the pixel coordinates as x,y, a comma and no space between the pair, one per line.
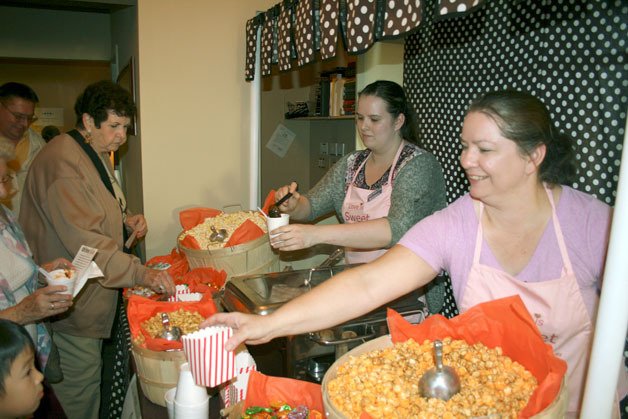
60,277
187,391
277,222
192,411
169,397
210,363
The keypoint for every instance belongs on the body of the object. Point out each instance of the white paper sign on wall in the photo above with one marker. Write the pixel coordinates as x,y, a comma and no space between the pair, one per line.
49,116
280,141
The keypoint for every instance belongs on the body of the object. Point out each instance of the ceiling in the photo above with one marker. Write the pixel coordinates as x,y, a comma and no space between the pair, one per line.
104,6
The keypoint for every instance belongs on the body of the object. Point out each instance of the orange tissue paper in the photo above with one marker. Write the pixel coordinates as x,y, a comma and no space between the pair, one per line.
192,217
140,309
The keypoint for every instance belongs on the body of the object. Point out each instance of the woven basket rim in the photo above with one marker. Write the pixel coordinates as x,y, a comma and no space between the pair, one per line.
164,355
221,250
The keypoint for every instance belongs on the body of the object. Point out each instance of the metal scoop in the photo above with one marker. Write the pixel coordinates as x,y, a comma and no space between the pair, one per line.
169,332
441,382
217,235
273,211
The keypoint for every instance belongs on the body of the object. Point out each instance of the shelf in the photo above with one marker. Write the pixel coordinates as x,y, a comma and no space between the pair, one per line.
322,118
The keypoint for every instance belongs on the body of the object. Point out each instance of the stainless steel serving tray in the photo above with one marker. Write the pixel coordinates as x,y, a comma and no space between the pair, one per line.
264,293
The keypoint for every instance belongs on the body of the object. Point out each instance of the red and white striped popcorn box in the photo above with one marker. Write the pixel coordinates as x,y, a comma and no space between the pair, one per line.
189,296
180,290
210,363
235,390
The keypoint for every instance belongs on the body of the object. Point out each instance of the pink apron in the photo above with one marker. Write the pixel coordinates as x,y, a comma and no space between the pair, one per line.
556,306
357,208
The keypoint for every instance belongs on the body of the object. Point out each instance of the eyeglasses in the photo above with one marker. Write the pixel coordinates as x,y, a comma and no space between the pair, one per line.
6,178
29,119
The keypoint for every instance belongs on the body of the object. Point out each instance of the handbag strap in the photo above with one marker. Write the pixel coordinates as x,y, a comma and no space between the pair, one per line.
91,153
102,172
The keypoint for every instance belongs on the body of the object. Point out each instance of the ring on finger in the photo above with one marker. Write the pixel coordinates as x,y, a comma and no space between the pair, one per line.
161,288
52,306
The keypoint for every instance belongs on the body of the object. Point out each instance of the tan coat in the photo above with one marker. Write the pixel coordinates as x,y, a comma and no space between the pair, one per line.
65,205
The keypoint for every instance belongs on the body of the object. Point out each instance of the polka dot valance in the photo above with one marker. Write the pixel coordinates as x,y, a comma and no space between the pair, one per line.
269,52
297,32
305,32
360,23
285,38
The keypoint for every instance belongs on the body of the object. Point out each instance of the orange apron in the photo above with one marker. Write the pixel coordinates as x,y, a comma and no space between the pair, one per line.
556,306
357,208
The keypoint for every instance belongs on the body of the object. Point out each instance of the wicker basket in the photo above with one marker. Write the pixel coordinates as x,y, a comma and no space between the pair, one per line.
555,410
157,372
252,257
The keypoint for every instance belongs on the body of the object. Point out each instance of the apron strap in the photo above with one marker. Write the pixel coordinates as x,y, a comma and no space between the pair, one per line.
392,166
478,236
559,234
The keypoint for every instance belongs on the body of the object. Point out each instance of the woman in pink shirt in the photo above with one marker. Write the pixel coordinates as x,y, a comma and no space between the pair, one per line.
519,230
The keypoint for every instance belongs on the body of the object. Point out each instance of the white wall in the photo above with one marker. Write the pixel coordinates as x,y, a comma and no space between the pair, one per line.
194,109
54,34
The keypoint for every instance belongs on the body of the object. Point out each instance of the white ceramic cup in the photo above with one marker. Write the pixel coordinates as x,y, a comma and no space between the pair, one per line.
188,392
277,222
169,397
192,411
58,277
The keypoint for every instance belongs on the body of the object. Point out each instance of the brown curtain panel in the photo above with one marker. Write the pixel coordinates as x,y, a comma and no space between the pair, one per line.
361,21
330,26
400,18
449,8
305,32
285,42
269,53
251,46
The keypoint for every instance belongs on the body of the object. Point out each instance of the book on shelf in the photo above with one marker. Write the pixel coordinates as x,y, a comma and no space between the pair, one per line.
324,99
348,96
334,92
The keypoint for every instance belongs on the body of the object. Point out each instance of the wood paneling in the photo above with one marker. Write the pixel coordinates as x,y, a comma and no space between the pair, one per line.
57,82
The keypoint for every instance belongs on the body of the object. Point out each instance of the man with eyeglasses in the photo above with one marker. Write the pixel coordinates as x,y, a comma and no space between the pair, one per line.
17,113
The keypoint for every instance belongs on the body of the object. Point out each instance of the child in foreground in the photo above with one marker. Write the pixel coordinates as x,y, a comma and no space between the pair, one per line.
21,387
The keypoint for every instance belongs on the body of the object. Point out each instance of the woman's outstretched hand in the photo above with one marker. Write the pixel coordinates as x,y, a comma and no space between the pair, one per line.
247,328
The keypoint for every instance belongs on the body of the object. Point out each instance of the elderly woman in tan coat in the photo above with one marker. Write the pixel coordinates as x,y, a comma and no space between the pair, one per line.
72,198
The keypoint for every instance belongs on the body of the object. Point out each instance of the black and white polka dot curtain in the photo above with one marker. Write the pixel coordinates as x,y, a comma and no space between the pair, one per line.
569,53
298,29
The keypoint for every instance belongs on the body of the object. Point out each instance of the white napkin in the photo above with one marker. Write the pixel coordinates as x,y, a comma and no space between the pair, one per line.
92,271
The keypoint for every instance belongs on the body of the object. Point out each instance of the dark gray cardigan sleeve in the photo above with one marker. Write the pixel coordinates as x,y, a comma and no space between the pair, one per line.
418,191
